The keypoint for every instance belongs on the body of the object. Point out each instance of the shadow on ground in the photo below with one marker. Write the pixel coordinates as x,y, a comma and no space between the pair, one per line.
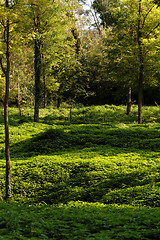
81,136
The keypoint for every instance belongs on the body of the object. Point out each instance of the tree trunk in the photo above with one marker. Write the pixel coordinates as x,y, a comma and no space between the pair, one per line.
140,98
71,111
45,91
141,64
37,65
58,102
129,101
7,152
19,98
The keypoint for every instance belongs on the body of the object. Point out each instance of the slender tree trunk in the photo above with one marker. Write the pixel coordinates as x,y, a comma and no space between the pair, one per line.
7,152
37,65
59,96
58,102
140,96
129,101
71,111
37,68
140,80
44,82
45,91
19,98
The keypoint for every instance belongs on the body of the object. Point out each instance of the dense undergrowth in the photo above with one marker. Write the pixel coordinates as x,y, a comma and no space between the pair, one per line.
102,157
78,220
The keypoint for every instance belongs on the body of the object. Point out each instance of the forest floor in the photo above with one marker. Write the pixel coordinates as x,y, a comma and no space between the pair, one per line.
95,176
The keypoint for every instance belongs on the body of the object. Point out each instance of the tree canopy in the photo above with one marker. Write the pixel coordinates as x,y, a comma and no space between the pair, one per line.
92,61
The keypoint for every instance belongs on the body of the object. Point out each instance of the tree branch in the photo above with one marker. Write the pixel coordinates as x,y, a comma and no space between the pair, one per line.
147,15
3,24
152,30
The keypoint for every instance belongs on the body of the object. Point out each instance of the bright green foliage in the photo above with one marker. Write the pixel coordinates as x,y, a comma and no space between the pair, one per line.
103,156
59,64
57,47
125,49
94,165
119,61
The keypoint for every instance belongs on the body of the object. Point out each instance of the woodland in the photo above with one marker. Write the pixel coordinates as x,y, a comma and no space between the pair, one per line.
79,119
100,52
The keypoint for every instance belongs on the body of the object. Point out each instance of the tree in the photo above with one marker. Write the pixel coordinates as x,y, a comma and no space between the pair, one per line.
9,20
111,15
37,66
5,23
141,61
148,32
61,51
48,24
35,13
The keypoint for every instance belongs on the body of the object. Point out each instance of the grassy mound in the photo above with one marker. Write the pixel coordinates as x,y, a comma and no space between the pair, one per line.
82,136
101,159
110,162
88,175
147,195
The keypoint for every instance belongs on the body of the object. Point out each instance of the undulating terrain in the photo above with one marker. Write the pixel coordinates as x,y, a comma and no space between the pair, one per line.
94,177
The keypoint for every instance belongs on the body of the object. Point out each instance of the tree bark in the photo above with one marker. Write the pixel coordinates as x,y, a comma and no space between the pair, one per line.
19,98
140,95
141,64
37,65
129,101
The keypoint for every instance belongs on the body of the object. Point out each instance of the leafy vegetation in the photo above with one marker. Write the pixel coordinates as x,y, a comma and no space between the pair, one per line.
90,167
78,220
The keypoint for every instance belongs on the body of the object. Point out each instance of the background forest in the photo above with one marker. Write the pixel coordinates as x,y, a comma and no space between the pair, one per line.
100,52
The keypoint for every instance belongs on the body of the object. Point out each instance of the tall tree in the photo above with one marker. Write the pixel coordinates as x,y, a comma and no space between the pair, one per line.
37,66
61,46
48,24
35,10
9,19
141,61
5,23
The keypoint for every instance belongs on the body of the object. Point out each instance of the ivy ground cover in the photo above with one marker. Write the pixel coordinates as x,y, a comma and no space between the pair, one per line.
102,161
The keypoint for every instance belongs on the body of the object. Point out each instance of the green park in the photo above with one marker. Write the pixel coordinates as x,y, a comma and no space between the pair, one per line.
80,120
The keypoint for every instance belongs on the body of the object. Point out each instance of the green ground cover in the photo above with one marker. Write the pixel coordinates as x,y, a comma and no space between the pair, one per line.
100,161
78,220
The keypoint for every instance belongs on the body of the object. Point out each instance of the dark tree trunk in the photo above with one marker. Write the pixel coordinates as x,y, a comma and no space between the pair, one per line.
129,100
140,95
37,68
141,64
76,37
45,91
19,98
58,102
37,65
7,73
71,111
